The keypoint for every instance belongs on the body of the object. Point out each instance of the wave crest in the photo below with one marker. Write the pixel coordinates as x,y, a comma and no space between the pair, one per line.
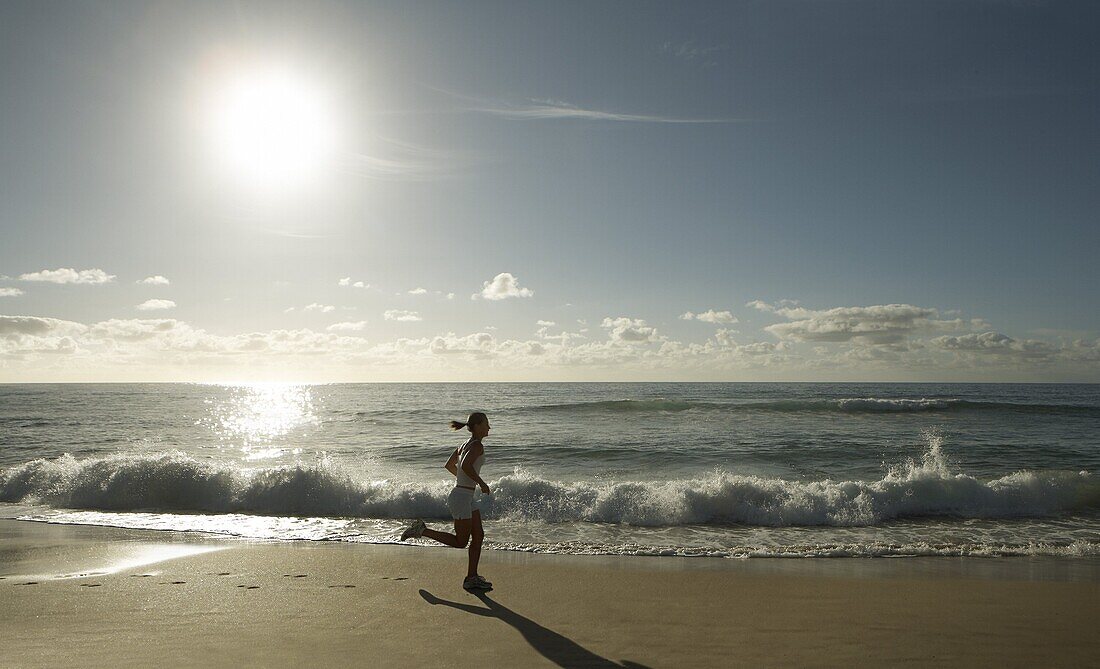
919,488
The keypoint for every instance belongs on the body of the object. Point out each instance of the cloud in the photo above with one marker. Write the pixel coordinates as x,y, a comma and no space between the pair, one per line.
323,308
169,348
69,275
347,282
389,159
546,323
10,292
155,280
760,305
629,330
879,324
34,325
450,296
995,343
418,291
348,326
502,287
478,344
135,329
401,315
153,305
709,316
548,109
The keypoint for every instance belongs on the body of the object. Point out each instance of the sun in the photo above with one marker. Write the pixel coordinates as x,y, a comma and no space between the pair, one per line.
271,128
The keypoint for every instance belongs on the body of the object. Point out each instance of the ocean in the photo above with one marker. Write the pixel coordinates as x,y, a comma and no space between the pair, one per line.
724,470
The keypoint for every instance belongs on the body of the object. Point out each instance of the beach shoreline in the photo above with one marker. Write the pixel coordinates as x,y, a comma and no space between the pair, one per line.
93,596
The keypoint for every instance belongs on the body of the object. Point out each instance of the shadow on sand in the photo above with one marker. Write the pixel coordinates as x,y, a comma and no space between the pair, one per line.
559,649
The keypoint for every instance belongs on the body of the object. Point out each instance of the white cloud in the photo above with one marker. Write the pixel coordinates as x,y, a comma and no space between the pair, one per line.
709,316
879,324
135,329
761,305
546,323
347,282
155,280
172,349
548,109
156,304
450,296
323,308
503,286
69,275
401,315
10,292
34,325
995,343
418,291
478,344
629,330
348,326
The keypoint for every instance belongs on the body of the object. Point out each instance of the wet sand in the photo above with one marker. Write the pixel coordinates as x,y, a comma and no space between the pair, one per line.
90,596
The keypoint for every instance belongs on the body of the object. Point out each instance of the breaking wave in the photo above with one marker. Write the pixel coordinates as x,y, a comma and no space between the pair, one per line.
173,481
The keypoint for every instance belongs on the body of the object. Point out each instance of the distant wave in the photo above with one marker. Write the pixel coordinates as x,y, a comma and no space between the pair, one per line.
176,482
840,405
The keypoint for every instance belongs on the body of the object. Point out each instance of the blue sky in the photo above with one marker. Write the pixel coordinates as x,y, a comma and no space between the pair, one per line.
846,190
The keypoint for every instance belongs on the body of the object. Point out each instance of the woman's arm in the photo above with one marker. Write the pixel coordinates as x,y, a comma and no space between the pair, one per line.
452,463
468,467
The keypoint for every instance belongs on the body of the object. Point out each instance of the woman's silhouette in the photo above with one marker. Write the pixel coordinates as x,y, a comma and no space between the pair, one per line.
465,464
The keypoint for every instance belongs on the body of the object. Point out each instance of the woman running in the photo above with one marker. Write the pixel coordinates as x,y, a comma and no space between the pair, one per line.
465,465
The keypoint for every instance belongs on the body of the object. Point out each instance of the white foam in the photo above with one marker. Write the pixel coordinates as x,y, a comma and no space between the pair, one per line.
174,481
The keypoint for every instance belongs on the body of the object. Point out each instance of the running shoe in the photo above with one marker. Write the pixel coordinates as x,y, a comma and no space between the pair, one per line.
413,531
476,583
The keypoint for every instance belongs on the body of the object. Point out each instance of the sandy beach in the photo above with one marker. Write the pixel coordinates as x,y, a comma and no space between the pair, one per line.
93,596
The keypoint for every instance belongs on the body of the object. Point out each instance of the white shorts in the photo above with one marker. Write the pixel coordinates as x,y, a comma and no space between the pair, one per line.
462,504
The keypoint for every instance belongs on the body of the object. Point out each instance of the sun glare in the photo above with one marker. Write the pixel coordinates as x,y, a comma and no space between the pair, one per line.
271,128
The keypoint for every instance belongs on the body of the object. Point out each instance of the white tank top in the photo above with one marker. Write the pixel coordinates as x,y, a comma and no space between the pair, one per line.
463,479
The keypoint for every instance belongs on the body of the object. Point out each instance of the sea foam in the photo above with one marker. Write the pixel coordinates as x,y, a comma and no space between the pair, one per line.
173,481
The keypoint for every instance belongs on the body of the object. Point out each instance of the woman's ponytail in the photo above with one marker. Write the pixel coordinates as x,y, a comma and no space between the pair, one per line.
475,418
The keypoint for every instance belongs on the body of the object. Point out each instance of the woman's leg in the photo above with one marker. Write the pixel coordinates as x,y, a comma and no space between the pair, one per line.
477,534
457,540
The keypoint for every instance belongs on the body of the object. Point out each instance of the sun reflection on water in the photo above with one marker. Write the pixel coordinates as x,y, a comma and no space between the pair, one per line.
255,417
